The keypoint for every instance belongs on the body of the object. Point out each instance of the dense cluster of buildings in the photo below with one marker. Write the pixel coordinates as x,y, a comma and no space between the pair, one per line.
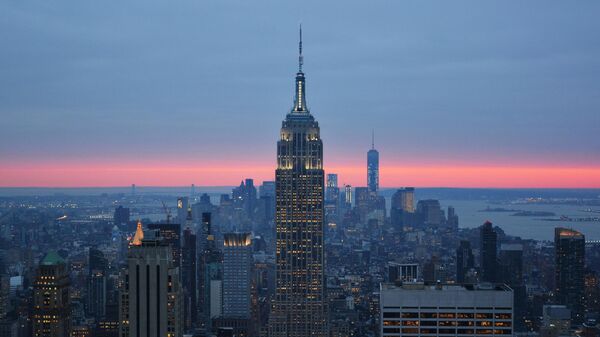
299,256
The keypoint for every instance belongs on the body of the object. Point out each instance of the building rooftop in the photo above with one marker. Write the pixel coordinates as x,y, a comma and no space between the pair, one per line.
52,258
445,287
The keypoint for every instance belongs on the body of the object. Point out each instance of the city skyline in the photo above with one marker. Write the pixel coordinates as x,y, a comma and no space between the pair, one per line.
101,113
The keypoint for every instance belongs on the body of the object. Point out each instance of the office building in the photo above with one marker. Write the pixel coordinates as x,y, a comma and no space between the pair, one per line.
488,252
121,216
211,274
404,199
465,261
51,316
415,309
429,213
171,235
183,203
237,263
299,306
237,285
150,295
373,167
96,283
348,196
403,207
188,277
511,263
569,246
332,192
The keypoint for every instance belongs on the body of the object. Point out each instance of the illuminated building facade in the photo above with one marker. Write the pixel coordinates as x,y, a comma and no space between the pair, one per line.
299,309
51,300
415,309
404,199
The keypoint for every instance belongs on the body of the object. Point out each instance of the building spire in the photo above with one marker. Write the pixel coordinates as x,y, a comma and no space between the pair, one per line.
373,139
300,57
300,99
139,235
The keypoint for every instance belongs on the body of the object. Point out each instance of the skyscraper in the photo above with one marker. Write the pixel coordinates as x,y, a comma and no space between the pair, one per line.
429,213
51,301
332,192
188,277
171,235
403,207
487,250
569,270
464,260
210,273
404,199
150,299
332,199
237,261
373,167
182,207
299,309
96,283
348,196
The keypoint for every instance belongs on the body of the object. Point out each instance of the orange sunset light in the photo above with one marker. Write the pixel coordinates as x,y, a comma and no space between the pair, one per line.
214,174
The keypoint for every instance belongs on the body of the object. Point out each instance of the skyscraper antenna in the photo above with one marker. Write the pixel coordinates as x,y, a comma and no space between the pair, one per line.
300,57
373,139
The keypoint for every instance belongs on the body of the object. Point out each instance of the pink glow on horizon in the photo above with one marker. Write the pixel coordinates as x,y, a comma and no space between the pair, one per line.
215,174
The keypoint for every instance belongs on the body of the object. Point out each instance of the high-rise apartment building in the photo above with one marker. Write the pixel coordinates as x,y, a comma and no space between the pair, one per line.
299,306
569,270
488,252
51,300
415,309
150,296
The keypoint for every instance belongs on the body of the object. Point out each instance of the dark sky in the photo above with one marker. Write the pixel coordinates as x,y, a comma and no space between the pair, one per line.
476,82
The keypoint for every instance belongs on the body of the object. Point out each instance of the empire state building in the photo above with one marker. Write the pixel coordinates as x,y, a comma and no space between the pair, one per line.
299,309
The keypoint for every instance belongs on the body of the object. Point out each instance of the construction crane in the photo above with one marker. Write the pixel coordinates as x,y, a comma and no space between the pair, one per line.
167,212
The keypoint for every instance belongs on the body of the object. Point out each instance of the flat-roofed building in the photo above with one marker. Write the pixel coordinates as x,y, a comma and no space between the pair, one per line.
416,309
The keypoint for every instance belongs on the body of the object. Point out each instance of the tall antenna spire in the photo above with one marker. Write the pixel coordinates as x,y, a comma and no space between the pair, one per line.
373,139
300,57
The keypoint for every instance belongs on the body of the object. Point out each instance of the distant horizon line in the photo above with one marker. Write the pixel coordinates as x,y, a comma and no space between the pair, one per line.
340,186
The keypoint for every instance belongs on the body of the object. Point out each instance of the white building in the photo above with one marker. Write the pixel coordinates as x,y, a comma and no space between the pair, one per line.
415,309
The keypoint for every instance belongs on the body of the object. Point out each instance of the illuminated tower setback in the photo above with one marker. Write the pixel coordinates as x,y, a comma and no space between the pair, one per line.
299,299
